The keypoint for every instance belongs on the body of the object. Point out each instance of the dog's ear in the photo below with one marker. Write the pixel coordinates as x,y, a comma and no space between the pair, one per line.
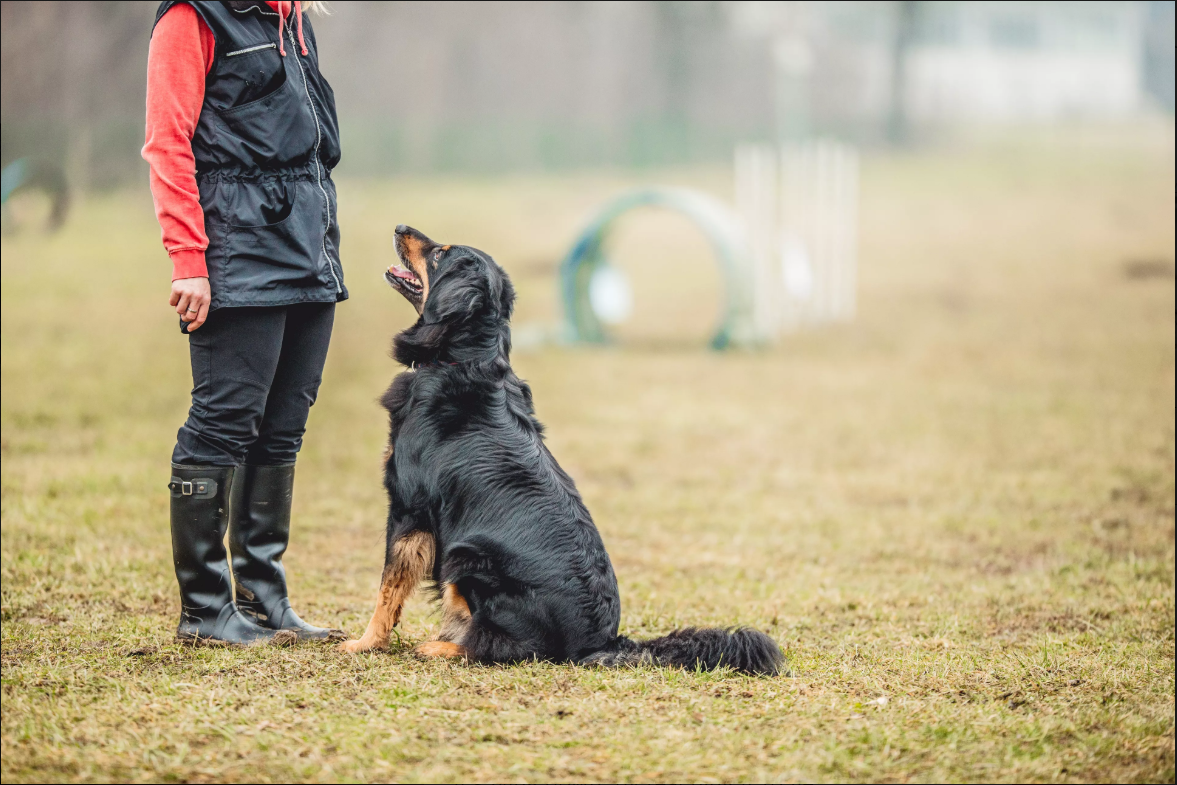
504,294
460,294
506,297
501,292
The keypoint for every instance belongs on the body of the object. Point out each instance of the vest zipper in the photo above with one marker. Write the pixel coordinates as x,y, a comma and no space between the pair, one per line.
318,165
249,49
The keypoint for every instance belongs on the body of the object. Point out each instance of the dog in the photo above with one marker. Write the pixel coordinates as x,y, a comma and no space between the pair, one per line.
478,505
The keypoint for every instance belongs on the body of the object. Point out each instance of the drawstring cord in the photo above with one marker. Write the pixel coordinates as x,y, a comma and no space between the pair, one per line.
282,9
281,28
298,12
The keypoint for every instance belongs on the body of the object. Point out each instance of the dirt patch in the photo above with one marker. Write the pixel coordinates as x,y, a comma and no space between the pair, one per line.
1144,269
1032,623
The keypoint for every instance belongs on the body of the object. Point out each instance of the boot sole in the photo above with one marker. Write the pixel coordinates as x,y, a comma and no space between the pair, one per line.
281,638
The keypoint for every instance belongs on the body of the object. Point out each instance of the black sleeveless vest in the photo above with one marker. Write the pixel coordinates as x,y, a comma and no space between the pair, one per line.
265,145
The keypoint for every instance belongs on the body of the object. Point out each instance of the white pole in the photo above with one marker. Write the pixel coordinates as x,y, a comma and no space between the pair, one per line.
850,234
799,202
827,227
756,203
838,257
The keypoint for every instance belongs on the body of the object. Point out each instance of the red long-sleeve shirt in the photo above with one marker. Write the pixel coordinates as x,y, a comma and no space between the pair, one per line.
178,60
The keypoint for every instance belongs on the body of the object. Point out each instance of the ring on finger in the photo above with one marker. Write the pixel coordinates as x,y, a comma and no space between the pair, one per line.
193,310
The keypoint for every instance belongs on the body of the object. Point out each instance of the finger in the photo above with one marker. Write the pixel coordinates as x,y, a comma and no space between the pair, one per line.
175,298
186,308
200,316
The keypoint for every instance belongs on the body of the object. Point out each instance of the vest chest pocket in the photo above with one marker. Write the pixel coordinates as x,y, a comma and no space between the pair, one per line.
249,73
276,130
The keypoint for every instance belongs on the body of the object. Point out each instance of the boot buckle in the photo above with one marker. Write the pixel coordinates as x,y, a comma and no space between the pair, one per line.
199,488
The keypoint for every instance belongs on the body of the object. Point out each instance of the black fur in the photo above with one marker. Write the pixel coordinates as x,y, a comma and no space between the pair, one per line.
743,649
469,465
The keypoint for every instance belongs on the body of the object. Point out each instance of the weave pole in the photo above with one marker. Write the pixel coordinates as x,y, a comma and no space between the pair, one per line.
798,204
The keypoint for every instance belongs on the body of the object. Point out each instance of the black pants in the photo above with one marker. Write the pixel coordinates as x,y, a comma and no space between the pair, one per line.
255,375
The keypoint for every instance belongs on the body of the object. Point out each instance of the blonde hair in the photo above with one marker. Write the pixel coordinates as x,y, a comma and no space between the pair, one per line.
316,7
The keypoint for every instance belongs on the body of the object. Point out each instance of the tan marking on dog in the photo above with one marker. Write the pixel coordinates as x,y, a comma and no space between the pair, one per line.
388,450
410,251
412,559
455,614
440,649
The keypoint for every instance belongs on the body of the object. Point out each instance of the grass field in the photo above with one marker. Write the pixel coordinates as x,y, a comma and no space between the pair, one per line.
955,515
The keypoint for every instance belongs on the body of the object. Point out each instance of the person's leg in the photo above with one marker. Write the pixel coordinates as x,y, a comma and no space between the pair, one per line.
234,356
305,340
260,529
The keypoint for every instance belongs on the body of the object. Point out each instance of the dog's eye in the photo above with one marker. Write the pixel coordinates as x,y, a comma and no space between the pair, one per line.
437,254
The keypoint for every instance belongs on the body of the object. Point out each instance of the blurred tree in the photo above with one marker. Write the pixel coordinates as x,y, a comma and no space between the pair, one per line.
898,128
73,77
1159,51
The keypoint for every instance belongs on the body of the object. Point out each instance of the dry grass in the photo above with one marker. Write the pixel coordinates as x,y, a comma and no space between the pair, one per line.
955,515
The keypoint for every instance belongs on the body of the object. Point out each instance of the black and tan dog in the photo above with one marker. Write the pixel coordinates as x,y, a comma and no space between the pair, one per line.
479,505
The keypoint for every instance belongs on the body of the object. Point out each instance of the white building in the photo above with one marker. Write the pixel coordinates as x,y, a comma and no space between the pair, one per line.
845,67
1024,61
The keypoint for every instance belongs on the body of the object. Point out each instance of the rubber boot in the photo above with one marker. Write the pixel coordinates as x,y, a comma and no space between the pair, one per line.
200,507
258,534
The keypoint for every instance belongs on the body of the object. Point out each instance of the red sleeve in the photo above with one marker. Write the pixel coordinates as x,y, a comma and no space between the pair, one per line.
179,58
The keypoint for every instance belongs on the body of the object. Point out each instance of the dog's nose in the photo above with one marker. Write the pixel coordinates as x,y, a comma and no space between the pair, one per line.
401,228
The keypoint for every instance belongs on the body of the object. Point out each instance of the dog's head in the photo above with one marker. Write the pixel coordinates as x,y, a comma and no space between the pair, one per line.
463,298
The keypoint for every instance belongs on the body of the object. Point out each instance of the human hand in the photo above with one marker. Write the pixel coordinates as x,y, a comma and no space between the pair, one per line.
191,297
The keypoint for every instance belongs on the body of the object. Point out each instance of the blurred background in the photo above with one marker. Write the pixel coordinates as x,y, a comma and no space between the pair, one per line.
503,87
775,101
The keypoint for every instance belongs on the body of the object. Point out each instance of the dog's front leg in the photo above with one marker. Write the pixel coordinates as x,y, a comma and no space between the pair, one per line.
408,560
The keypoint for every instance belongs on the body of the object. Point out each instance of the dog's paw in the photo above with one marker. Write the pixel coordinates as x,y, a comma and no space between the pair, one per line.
440,649
356,646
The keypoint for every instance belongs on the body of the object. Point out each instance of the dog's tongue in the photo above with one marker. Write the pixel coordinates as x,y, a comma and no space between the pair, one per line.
401,272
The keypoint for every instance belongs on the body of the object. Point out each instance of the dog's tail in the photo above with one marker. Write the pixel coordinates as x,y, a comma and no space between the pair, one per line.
742,649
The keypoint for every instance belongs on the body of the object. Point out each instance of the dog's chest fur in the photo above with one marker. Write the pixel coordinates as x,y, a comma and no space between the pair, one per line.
431,408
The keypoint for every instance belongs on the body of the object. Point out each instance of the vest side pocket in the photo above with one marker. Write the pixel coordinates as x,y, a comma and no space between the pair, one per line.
268,202
275,257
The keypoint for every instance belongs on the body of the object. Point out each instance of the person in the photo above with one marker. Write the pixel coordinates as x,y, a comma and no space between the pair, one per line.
241,139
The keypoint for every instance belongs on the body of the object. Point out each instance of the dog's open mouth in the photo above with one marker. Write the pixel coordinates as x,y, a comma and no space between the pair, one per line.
410,275
406,281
